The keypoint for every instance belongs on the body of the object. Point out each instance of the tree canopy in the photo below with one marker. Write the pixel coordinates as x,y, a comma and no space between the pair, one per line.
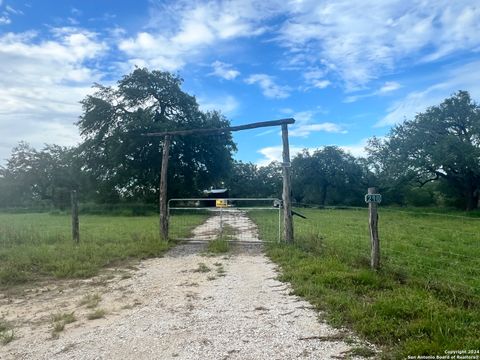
432,159
114,119
441,143
44,177
328,175
250,180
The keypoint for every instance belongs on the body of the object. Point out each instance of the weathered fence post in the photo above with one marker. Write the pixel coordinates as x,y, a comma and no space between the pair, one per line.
163,190
75,222
373,225
221,222
287,188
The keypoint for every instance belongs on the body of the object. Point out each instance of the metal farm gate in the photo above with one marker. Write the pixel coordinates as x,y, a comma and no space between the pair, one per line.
231,219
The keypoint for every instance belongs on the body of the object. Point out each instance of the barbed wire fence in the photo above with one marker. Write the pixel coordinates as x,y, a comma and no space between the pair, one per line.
443,250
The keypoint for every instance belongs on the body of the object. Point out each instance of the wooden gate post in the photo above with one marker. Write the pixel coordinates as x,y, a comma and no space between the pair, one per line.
287,188
75,222
163,190
373,225
287,201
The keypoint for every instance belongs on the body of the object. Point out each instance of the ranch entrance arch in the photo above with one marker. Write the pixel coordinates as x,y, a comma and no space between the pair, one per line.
286,194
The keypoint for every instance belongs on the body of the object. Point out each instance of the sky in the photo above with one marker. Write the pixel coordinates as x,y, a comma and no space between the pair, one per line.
345,70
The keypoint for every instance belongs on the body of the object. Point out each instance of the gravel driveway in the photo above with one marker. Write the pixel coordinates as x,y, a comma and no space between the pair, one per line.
183,306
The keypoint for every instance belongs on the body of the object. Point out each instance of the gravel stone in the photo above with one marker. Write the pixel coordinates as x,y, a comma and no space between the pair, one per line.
246,314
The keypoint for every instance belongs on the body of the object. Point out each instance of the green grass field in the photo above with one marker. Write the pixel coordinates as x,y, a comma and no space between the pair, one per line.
34,246
424,300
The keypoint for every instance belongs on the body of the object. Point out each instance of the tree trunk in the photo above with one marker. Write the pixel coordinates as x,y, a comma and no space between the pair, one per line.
471,195
323,195
472,200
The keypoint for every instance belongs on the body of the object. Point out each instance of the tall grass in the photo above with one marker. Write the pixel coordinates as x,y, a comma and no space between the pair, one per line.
424,300
38,245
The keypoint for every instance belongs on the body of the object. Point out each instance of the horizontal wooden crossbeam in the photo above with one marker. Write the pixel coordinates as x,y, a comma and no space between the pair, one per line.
223,130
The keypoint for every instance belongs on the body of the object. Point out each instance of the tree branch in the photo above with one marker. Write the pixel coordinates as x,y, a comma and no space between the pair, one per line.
428,180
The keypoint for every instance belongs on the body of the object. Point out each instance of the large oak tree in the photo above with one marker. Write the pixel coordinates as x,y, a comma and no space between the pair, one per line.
442,143
127,163
327,176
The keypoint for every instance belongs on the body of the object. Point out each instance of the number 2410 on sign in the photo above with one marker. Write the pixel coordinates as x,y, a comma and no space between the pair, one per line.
373,198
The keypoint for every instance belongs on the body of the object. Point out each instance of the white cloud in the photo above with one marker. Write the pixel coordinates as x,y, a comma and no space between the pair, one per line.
269,88
316,78
355,42
227,105
41,84
305,124
224,70
465,77
11,10
182,31
274,153
5,17
321,84
266,132
360,41
304,130
5,20
387,88
304,116
287,111
357,149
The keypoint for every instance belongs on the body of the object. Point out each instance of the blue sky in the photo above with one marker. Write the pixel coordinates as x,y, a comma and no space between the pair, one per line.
345,70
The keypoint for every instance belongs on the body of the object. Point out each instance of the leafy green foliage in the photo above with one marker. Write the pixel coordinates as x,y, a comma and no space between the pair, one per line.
431,160
41,178
127,163
250,180
441,143
328,176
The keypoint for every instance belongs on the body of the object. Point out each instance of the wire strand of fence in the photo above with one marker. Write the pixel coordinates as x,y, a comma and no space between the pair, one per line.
384,208
460,283
475,258
431,214
423,265
454,285
446,231
387,243
408,247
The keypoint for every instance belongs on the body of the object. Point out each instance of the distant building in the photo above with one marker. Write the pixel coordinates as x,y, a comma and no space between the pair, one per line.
215,194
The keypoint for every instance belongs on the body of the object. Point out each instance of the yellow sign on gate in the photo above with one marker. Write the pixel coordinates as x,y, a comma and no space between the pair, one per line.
221,203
